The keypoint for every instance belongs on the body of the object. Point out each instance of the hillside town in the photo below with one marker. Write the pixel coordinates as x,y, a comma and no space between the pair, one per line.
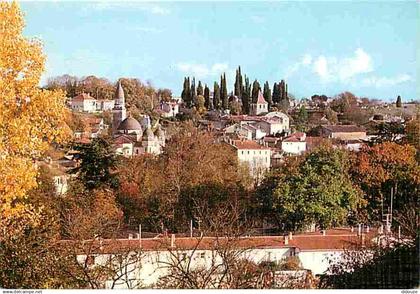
115,183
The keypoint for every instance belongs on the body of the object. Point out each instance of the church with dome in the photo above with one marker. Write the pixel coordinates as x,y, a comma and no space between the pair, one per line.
132,137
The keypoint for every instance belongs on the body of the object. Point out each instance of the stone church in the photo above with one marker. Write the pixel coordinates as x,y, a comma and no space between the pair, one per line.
132,137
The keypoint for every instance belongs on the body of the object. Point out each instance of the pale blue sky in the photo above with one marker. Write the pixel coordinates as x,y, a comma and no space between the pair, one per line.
368,48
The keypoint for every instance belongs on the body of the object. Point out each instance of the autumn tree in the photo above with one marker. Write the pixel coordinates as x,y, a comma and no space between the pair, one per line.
386,173
343,102
139,96
191,158
30,118
164,94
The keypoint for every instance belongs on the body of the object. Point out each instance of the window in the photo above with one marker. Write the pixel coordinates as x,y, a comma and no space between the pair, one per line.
203,255
248,152
242,152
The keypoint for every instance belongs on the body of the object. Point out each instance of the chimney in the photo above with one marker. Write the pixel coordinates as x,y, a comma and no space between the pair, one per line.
286,240
290,236
130,236
173,240
352,229
324,232
381,229
363,240
359,230
367,229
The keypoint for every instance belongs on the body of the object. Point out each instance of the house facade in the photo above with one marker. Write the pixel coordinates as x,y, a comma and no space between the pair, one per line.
83,103
255,156
294,144
343,132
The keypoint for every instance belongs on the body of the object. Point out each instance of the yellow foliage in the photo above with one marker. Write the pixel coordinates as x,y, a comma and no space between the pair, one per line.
30,118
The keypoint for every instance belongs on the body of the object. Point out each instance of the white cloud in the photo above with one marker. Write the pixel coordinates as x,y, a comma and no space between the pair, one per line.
305,61
137,5
380,82
202,70
333,69
320,67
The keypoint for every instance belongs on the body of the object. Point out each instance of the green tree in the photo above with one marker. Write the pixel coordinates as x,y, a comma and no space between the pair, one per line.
193,93
207,103
255,90
185,95
216,96
267,94
246,97
200,90
302,117
276,94
313,189
239,87
223,92
98,160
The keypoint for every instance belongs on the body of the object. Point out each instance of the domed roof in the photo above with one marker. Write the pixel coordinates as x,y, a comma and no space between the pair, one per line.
129,124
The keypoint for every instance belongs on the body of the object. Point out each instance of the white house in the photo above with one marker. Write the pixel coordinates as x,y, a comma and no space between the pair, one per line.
257,157
278,122
83,103
294,144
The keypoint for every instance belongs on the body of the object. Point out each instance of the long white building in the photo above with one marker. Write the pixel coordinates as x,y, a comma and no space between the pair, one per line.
143,262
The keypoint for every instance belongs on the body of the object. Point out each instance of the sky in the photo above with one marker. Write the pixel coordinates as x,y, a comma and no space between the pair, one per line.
366,47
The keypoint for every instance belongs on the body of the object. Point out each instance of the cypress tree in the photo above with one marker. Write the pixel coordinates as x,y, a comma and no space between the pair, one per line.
398,103
223,93
193,93
186,93
255,89
239,87
207,97
216,96
267,94
276,94
200,90
246,96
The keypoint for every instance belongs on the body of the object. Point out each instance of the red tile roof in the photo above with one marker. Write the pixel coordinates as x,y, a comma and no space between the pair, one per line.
296,137
261,99
345,129
304,242
247,144
83,96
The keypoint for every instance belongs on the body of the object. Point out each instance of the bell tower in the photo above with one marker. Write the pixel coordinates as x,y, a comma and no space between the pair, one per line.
119,112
